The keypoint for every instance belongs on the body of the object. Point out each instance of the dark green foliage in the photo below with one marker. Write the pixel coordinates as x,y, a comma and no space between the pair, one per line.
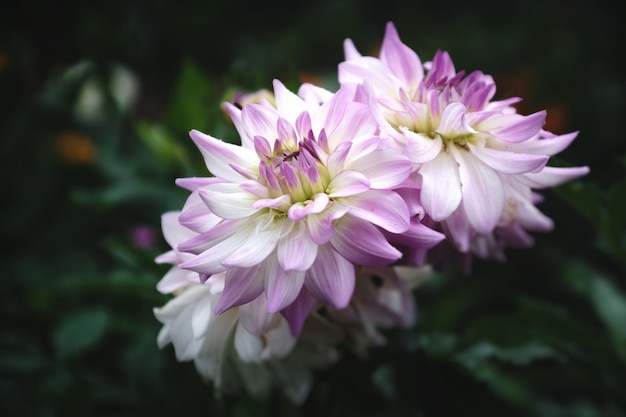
541,335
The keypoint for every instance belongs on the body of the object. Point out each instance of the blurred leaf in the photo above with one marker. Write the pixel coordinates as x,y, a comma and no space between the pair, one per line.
521,355
586,198
160,141
80,331
190,106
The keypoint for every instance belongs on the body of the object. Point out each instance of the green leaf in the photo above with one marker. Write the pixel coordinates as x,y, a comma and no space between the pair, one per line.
80,331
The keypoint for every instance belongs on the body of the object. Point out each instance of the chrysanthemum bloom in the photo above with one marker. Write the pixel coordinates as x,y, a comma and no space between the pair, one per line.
304,199
244,347
472,155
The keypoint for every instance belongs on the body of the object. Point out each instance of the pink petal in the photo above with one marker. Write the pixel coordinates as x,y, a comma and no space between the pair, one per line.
382,208
511,163
371,69
282,287
453,122
219,155
242,285
348,183
349,50
384,168
362,243
401,59
514,128
320,227
259,120
297,312
331,278
296,251
299,211
553,176
193,183
441,186
196,216
546,146
420,148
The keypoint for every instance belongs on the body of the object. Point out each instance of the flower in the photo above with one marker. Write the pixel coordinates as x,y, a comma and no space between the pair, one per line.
475,159
290,212
242,348
383,299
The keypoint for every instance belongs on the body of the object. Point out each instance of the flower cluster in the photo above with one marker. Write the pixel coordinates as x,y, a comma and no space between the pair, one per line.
314,230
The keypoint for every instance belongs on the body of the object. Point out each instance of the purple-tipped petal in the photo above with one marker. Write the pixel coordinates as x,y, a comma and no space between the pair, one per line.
282,287
219,155
297,312
401,60
382,208
241,286
514,128
296,251
348,183
362,243
331,278
511,163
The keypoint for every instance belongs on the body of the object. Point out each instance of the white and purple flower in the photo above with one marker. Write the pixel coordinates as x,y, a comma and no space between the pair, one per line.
305,198
475,159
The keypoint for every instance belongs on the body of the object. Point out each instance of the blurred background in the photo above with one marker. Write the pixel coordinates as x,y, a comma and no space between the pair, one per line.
96,101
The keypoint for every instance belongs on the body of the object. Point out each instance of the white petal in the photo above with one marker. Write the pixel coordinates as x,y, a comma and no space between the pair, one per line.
441,186
483,194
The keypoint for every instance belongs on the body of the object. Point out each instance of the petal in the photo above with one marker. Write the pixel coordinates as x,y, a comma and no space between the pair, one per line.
511,163
553,176
255,249
453,122
173,232
545,146
249,347
371,69
196,215
441,186
219,156
242,285
348,183
229,205
514,128
418,236
296,251
320,227
282,287
420,148
254,316
382,208
176,279
259,120
362,243
384,168
349,50
299,211
331,278
297,312
483,194
288,104
401,59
